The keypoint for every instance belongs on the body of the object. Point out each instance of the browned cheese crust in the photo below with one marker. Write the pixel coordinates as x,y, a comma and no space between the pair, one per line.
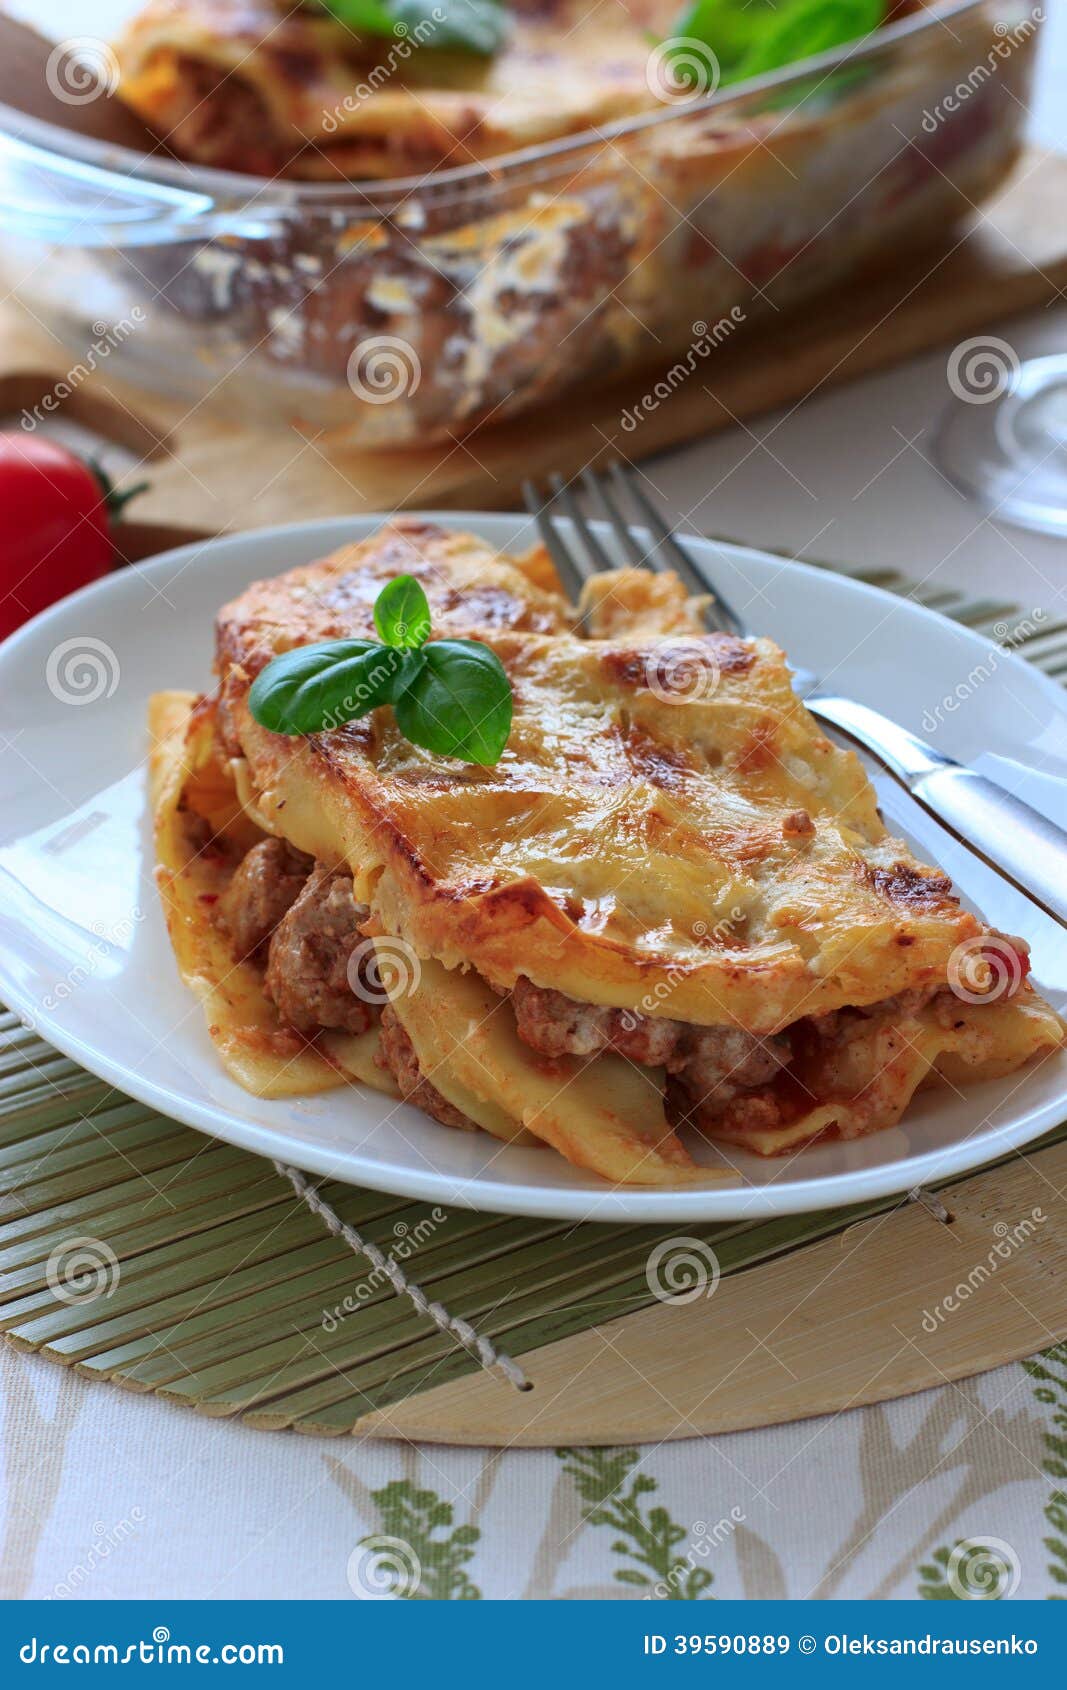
668,830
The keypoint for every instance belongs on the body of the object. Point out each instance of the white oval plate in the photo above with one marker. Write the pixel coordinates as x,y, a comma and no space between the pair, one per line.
85,958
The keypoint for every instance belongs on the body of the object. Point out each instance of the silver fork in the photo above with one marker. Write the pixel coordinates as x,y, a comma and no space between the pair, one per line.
1022,845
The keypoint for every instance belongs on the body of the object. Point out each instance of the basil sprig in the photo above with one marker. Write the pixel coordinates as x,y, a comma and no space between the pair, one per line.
751,37
452,697
470,26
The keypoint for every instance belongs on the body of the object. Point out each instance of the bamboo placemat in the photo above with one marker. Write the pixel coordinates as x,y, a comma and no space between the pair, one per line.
145,1254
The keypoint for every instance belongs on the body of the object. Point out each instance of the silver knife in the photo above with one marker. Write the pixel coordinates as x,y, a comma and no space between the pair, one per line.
1015,840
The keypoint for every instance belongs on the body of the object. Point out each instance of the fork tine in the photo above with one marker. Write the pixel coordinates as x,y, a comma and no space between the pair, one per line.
566,567
597,486
673,556
721,611
573,510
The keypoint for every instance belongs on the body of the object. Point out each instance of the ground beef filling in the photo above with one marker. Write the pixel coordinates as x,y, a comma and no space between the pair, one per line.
731,1083
301,919
717,1063
220,119
267,882
396,1055
312,977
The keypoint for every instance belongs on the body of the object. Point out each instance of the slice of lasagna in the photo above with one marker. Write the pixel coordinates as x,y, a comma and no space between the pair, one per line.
671,906
267,87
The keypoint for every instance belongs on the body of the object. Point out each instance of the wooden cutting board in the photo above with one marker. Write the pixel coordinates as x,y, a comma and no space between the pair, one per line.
208,476
901,1302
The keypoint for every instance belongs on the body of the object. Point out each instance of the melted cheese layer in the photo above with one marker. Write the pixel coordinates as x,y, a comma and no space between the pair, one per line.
667,831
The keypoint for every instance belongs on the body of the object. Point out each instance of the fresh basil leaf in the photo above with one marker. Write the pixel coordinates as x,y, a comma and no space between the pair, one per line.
366,17
726,26
752,37
476,26
318,687
402,613
806,27
457,702
472,26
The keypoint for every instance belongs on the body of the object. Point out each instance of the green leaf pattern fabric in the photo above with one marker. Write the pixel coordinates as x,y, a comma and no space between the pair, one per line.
954,1494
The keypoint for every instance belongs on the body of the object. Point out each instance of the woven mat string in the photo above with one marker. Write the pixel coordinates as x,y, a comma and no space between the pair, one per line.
480,1348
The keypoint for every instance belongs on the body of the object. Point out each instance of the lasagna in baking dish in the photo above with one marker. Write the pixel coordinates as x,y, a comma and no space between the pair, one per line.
270,87
265,86
669,909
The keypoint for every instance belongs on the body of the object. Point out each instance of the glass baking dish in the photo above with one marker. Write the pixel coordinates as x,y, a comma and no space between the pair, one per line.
405,311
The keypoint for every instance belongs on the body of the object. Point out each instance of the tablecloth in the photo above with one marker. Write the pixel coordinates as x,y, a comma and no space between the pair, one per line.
955,1493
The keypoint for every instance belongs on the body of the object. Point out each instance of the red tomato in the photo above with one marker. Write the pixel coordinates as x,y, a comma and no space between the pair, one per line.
54,526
